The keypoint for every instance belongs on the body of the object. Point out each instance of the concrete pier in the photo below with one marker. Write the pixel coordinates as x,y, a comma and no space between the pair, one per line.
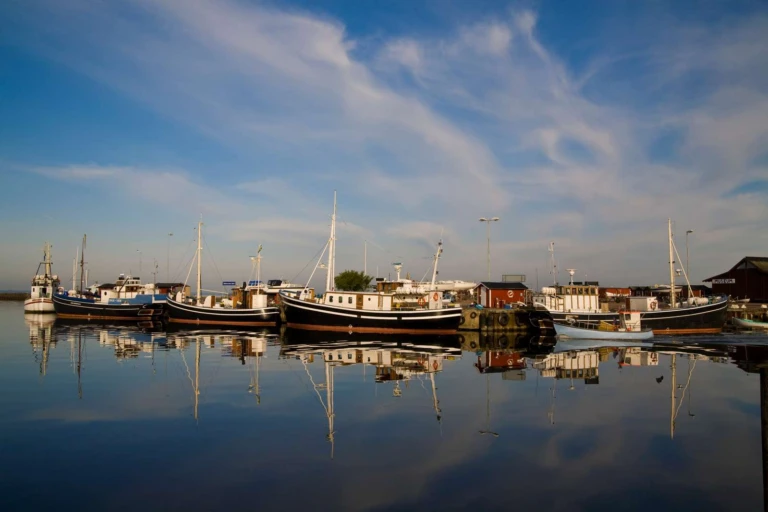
491,319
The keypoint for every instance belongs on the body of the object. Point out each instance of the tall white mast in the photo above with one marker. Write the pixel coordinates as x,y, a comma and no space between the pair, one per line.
199,257
331,271
553,264
365,256
672,298
258,270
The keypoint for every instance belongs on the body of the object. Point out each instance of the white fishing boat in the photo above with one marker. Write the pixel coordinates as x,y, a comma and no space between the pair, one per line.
743,323
628,328
43,286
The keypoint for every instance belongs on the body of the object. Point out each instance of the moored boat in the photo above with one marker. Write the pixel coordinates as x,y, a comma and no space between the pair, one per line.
43,286
248,306
128,301
629,328
380,312
697,315
743,323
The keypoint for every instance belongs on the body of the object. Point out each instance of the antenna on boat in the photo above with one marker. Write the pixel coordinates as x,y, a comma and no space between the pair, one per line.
438,252
571,272
199,257
672,299
398,267
553,270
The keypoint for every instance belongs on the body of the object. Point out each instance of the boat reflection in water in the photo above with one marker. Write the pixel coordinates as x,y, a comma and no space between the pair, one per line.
395,358
41,337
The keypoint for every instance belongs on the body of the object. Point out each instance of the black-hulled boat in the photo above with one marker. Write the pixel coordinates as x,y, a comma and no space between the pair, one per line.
234,312
185,313
94,309
416,312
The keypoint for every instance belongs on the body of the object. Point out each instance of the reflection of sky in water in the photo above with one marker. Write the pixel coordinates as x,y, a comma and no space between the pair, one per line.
132,440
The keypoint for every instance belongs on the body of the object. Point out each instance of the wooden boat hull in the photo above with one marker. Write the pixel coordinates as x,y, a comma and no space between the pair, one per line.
706,319
748,324
71,307
39,305
180,313
300,314
572,332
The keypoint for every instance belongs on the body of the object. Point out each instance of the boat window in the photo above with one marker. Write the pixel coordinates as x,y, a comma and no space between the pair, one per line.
349,300
369,299
349,356
626,316
330,298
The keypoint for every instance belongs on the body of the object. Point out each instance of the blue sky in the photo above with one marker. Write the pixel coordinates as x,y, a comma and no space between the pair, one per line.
585,126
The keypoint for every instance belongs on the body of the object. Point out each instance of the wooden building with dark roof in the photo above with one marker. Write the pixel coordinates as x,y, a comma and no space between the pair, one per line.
747,279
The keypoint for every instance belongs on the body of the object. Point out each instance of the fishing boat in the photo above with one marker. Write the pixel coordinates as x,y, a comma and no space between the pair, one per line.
381,312
247,307
43,286
696,315
628,328
743,323
127,301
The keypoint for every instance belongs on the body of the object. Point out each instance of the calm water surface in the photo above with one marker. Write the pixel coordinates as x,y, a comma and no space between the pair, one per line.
106,417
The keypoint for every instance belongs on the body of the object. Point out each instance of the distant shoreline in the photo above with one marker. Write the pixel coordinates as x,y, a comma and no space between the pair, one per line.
14,296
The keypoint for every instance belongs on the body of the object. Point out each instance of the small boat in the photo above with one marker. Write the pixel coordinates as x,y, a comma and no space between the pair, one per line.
743,323
247,307
745,300
43,286
628,329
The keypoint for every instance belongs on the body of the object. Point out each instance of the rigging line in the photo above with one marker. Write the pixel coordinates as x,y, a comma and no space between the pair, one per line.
690,374
186,262
313,258
205,241
314,386
176,275
189,375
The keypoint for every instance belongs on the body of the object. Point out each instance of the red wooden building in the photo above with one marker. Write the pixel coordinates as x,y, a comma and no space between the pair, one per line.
747,279
497,295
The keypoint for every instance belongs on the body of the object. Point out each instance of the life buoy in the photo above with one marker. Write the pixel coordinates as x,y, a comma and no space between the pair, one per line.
434,365
462,320
503,319
421,362
422,301
472,345
435,296
653,306
503,341
473,315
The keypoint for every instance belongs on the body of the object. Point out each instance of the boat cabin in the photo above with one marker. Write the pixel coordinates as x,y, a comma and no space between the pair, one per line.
379,301
569,298
630,321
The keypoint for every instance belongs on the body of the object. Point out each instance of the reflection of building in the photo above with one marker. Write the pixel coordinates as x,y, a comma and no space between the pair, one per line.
581,364
509,363
130,342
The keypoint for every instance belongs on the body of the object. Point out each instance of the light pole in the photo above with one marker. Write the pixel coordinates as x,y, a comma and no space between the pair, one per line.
488,224
687,266
138,251
168,259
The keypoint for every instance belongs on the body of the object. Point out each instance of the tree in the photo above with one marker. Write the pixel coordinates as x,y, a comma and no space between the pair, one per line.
352,281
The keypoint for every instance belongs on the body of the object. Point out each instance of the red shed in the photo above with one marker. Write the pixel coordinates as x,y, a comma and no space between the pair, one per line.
747,279
496,295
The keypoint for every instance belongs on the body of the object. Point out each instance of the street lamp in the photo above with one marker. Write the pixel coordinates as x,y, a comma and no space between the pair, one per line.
168,259
488,224
687,266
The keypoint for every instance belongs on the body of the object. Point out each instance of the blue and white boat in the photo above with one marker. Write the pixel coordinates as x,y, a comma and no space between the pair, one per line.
628,328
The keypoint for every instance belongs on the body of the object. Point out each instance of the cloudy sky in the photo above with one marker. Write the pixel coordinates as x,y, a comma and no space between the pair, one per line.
588,126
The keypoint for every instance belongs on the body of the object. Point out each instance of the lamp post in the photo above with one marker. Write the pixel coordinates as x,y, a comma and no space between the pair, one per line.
488,224
687,266
168,259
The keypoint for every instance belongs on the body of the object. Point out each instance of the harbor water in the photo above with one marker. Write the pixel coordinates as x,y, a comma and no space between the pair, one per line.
129,417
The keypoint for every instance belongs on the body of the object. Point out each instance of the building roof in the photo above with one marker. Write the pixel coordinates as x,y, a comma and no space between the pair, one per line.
503,286
759,263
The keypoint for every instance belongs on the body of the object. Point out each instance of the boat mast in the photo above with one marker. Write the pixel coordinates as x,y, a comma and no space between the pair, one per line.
674,386
82,265
197,375
331,271
672,298
47,261
435,401
437,258
329,400
553,265
199,258
258,271
74,269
